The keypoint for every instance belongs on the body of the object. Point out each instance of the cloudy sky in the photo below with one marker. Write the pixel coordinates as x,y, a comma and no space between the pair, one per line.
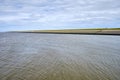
58,14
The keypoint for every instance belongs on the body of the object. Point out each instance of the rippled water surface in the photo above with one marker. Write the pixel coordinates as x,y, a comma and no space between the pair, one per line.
29,56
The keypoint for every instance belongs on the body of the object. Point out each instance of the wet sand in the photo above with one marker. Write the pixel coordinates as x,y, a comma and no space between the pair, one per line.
29,56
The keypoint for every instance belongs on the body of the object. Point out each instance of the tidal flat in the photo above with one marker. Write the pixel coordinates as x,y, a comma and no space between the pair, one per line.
37,56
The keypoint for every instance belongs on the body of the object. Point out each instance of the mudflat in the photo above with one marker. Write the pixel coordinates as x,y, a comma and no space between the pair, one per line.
36,56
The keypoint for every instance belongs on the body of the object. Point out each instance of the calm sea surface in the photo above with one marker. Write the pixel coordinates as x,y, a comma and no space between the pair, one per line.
30,56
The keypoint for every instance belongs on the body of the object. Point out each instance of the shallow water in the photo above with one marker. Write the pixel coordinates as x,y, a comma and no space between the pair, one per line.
29,56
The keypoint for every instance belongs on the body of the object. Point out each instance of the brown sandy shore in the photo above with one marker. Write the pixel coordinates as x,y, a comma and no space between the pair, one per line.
28,56
79,31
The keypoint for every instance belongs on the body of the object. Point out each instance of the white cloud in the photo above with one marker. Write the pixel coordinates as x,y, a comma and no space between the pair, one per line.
58,11
14,18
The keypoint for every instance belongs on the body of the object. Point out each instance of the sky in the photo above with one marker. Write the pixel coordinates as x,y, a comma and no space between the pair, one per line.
58,14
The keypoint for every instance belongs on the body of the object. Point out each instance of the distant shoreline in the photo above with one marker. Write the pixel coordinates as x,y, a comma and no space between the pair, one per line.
100,31
69,33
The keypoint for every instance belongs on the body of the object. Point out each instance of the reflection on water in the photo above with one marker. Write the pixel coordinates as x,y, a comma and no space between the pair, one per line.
28,56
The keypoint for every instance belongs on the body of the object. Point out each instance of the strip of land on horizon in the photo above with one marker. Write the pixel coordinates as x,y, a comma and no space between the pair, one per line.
99,31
